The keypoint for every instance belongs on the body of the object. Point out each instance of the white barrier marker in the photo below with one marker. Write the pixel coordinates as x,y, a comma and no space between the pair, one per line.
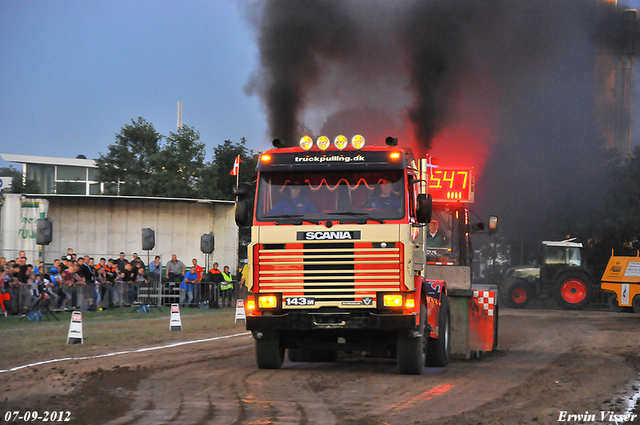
75,329
175,324
240,316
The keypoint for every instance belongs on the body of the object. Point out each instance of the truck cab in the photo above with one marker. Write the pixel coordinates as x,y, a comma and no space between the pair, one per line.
338,254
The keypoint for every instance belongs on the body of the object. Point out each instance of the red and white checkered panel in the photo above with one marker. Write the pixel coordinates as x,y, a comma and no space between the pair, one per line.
486,300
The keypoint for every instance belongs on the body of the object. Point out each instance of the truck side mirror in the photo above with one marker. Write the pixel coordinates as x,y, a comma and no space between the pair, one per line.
242,216
493,224
423,213
241,191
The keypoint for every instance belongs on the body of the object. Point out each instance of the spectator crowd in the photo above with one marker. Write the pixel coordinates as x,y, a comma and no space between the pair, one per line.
76,282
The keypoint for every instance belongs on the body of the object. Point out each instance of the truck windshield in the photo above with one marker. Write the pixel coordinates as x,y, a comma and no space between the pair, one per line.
343,195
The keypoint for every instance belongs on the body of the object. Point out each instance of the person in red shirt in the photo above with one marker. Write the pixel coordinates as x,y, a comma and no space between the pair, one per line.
198,290
199,270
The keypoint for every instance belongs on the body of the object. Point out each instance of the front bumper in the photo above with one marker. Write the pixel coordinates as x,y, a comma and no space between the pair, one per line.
293,321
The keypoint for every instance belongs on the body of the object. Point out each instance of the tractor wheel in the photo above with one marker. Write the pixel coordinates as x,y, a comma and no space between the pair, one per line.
269,350
636,304
573,290
438,348
613,303
302,355
412,349
517,294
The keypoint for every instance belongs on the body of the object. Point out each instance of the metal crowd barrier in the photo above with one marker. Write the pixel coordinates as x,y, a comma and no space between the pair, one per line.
205,294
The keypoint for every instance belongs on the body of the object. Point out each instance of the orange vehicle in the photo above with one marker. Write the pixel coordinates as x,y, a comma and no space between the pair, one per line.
622,279
338,255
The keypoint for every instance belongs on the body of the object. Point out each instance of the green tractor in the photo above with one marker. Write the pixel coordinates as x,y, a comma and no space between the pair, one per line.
563,277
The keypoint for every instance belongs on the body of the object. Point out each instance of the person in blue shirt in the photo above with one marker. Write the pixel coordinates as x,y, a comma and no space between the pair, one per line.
294,203
383,198
186,287
56,286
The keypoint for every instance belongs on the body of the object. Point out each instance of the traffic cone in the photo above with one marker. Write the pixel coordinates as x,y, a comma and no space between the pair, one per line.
75,329
175,324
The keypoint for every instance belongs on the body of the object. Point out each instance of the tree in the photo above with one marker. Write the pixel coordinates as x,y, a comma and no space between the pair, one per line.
217,182
11,172
131,161
29,186
180,164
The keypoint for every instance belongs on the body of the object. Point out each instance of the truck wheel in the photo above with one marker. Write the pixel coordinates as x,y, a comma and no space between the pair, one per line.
636,304
412,349
613,303
517,294
438,348
573,290
301,355
269,350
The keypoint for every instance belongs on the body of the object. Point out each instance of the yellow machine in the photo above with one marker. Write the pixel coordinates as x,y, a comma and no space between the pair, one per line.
622,279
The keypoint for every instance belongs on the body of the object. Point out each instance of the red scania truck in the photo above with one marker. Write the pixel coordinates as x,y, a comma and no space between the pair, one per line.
339,257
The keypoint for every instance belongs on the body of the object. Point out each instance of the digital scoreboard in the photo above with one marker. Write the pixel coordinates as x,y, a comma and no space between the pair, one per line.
451,184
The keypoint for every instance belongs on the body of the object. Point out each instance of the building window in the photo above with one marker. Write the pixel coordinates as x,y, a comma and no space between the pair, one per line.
66,172
71,188
43,175
94,189
93,174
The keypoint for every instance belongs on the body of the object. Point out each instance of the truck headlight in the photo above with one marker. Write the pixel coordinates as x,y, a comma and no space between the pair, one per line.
267,301
393,300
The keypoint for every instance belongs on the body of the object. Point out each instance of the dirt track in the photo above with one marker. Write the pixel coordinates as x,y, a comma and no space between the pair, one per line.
549,361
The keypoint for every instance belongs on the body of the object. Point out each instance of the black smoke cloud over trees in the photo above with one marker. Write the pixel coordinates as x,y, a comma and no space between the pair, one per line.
531,63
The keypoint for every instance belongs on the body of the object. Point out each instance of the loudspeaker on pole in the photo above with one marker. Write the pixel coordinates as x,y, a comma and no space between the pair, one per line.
148,239
44,231
207,243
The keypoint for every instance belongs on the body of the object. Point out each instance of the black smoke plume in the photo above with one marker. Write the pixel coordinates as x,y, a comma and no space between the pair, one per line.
529,64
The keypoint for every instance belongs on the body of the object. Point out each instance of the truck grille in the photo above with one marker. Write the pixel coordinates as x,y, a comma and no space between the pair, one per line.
334,274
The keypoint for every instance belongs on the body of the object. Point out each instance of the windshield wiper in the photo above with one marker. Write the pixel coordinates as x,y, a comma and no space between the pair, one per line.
361,215
296,219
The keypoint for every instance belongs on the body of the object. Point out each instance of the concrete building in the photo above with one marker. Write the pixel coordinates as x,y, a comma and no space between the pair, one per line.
102,226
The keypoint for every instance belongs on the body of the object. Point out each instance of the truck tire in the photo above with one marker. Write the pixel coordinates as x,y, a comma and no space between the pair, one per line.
636,304
269,350
438,352
412,349
613,303
517,294
573,290
302,355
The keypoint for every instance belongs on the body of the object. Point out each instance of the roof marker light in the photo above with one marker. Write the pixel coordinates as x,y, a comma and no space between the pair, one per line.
358,141
306,142
395,155
340,142
323,143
